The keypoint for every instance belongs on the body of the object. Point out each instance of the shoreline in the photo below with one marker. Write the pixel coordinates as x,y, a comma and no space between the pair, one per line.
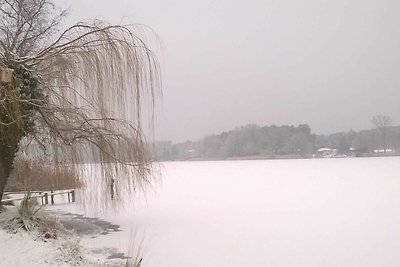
286,157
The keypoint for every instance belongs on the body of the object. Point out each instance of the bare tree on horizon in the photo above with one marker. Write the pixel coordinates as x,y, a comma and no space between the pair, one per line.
381,123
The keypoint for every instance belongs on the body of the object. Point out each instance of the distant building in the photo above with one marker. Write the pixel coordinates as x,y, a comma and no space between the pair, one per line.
325,152
382,151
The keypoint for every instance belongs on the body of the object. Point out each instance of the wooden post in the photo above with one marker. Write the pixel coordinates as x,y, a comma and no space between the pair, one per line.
46,198
73,195
52,195
69,198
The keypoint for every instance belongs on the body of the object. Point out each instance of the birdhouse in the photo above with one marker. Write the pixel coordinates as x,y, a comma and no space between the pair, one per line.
6,75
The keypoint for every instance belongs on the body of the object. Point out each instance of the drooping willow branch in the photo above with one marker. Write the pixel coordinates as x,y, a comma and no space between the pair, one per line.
94,81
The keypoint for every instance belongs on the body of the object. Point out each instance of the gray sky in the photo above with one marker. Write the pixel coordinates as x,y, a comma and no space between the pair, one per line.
227,63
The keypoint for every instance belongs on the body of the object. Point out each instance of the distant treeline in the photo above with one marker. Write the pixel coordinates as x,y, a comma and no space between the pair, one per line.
285,141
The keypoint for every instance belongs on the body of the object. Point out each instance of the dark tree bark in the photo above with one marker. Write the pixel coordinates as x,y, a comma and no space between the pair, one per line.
3,182
7,155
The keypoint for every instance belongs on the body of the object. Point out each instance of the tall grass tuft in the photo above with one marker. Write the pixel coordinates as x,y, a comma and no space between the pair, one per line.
28,214
135,250
29,217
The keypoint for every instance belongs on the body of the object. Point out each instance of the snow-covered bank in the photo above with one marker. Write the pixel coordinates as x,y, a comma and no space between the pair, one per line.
101,240
21,249
83,244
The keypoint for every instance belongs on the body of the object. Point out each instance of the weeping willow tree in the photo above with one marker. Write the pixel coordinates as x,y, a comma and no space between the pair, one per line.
77,94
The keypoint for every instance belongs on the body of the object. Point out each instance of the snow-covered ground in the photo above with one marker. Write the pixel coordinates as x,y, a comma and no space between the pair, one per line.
22,250
317,212
82,243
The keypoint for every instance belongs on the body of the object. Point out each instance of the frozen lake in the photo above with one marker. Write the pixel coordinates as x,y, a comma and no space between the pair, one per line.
316,212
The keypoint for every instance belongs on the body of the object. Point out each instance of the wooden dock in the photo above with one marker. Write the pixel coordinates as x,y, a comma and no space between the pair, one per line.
46,197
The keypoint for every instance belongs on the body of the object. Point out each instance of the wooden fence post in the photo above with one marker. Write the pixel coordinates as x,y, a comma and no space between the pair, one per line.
52,196
46,199
73,195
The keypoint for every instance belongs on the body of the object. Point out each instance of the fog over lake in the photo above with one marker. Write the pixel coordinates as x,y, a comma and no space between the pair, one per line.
314,212
330,64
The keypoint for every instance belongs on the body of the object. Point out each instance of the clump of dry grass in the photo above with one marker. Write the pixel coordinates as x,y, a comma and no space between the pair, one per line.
50,228
25,217
29,217
70,252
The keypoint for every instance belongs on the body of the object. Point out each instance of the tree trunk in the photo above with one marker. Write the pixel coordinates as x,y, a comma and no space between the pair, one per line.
7,155
3,181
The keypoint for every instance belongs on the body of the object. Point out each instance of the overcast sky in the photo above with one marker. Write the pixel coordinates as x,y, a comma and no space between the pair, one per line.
331,64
